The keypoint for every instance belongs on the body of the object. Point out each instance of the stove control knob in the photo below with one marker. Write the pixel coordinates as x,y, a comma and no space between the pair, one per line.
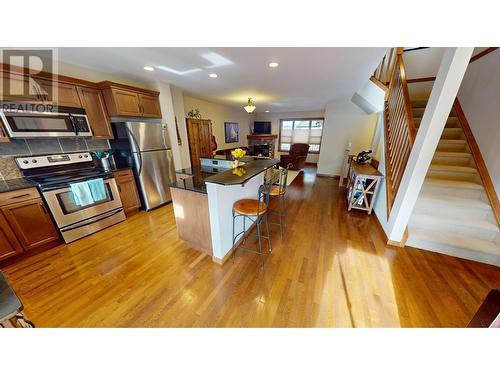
34,161
86,155
25,161
80,156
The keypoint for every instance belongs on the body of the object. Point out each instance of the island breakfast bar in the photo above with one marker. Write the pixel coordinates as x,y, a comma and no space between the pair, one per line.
203,199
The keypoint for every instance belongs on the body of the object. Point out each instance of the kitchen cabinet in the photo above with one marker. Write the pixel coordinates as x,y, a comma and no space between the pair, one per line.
67,94
31,223
199,139
93,103
122,100
128,190
19,88
9,245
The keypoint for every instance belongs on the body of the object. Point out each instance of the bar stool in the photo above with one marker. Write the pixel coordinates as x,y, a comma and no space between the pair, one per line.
258,208
278,191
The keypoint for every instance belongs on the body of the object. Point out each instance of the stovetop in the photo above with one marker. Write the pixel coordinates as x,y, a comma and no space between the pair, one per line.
61,179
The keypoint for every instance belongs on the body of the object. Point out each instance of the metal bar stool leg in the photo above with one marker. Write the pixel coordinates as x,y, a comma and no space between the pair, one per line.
234,240
269,245
260,242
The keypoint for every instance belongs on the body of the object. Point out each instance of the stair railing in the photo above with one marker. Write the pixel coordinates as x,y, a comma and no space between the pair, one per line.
399,128
384,70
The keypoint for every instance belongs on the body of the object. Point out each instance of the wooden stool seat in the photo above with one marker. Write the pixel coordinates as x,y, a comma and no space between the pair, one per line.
276,190
249,207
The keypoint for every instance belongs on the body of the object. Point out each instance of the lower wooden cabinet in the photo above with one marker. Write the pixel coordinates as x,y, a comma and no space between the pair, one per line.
128,190
9,245
31,223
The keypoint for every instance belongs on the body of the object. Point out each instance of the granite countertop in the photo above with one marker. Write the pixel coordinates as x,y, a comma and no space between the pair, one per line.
242,174
16,184
9,303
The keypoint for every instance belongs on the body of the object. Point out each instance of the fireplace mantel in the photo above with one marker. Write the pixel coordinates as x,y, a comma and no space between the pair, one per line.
262,136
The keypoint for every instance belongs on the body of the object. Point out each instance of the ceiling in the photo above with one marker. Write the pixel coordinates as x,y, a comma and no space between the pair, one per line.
306,79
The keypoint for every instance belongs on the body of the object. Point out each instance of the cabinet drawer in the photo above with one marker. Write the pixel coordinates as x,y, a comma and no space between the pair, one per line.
16,196
123,174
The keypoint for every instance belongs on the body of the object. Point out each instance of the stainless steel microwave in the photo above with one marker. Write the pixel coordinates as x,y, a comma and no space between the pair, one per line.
64,122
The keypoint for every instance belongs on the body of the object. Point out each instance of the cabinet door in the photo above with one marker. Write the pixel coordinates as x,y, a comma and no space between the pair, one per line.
93,103
9,246
67,95
150,106
128,193
124,103
31,223
19,88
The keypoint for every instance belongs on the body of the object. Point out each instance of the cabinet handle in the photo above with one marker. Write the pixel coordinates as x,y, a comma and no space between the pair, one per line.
20,196
43,208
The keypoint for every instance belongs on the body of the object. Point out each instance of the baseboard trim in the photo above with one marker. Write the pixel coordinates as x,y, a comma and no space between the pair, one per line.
401,243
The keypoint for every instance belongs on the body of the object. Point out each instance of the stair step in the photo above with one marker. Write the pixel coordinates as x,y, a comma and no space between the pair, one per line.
455,245
451,206
452,133
451,145
462,189
451,122
420,103
453,172
453,168
452,158
480,229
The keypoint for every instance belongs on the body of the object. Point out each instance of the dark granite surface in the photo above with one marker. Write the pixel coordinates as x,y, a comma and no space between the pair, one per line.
9,303
16,184
240,175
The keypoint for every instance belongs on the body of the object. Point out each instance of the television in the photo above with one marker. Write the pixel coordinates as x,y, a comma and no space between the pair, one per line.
262,127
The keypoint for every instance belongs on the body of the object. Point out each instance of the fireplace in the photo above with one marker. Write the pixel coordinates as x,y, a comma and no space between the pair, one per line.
261,150
262,144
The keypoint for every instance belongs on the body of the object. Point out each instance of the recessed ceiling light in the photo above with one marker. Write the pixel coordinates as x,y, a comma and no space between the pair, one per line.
149,68
213,75
273,65
267,110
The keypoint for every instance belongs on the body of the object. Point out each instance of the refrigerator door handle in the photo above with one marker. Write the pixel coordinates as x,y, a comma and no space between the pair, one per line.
132,138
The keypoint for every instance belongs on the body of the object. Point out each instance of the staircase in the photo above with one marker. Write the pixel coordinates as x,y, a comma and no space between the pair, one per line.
453,214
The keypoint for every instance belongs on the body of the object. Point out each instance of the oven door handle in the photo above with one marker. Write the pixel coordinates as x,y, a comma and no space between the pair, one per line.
85,223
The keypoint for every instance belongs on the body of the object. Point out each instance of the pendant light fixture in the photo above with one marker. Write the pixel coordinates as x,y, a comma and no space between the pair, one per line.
250,107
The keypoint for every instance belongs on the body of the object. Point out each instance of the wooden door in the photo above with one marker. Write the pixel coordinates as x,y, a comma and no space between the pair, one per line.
205,138
9,246
93,103
193,131
122,102
67,95
150,106
128,190
31,223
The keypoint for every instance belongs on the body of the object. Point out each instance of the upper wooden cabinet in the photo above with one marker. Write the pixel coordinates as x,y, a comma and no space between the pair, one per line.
16,87
67,94
123,100
93,103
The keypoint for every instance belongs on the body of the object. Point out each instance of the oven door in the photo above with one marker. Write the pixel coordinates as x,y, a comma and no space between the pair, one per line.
66,212
25,124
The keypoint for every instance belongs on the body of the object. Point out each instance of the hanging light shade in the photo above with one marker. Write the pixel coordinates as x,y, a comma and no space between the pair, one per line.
250,107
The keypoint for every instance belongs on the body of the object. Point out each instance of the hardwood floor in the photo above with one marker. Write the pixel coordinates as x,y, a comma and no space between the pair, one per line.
331,269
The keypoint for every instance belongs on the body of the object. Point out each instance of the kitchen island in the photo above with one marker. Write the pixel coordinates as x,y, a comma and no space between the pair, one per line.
203,199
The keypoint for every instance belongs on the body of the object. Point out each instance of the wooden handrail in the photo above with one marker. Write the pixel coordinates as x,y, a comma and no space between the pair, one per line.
399,128
384,70
478,159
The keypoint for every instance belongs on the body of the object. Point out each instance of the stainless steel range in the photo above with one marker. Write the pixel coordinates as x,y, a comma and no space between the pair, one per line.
54,174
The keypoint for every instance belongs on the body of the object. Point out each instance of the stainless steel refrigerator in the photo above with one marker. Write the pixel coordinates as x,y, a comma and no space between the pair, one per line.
151,158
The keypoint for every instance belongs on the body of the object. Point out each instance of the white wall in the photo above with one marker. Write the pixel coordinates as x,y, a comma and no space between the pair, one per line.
344,122
275,118
178,103
219,114
479,96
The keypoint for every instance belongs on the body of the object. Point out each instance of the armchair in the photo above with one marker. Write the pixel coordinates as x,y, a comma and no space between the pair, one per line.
297,156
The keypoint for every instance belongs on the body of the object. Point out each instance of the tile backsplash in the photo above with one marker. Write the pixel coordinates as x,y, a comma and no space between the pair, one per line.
37,146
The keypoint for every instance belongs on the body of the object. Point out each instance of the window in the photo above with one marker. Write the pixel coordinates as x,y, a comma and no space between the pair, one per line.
301,130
